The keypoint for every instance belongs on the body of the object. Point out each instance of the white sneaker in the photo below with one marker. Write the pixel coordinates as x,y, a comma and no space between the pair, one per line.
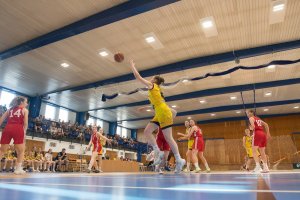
257,170
197,170
207,170
160,171
19,172
186,170
158,157
179,165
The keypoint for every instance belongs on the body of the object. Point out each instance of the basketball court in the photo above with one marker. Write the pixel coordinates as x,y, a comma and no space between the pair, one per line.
211,61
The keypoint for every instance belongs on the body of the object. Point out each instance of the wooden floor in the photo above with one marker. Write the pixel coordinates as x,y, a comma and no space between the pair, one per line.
216,185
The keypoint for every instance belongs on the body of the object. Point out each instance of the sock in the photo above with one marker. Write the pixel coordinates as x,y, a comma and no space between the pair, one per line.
19,166
206,166
167,164
177,156
155,148
265,166
196,165
188,166
257,164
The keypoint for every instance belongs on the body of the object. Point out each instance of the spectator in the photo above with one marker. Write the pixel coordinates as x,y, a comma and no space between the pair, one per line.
61,159
49,161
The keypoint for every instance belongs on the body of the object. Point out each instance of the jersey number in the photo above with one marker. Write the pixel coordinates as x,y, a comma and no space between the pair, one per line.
258,122
17,113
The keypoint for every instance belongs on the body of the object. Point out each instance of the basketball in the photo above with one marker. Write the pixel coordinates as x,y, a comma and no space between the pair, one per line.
119,57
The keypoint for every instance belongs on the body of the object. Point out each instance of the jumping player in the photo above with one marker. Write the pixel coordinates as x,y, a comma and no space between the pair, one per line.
97,147
261,133
163,118
198,145
15,129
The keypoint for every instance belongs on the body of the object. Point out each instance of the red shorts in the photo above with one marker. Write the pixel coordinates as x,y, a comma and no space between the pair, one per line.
260,139
97,148
13,131
162,143
198,144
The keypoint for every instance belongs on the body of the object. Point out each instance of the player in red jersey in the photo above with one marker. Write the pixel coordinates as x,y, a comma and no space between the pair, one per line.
261,133
97,147
198,145
15,129
163,146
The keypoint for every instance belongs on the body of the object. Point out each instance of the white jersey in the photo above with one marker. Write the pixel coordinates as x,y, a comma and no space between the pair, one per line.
48,157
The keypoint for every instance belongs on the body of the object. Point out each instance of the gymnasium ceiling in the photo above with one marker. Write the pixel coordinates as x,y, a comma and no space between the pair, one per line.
31,66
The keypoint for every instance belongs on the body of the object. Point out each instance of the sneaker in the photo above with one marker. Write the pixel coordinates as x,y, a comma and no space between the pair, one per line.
88,171
186,170
257,170
179,165
160,171
197,170
19,172
97,171
100,171
207,170
167,168
158,158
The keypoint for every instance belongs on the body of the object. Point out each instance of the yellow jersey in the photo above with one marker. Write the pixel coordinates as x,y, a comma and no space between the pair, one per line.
248,141
155,96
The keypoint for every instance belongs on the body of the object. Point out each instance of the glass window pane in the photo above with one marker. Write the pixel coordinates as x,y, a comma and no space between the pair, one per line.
6,98
90,121
119,130
124,132
50,112
63,115
99,123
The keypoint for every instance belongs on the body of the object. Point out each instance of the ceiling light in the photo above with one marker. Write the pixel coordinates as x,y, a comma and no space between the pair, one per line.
189,118
278,7
271,66
202,101
65,65
268,94
207,24
150,39
233,98
213,114
296,107
238,112
148,110
266,109
103,53
185,80
174,106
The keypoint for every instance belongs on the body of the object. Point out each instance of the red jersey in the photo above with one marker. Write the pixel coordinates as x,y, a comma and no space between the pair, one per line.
258,124
16,116
197,133
95,139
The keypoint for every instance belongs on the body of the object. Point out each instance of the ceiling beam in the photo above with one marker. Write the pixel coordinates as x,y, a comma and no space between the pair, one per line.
224,109
111,15
213,91
189,64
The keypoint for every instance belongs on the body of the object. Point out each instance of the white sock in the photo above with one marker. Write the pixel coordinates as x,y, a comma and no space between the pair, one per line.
265,166
167,164
196,165
206,166
257,164
177,156
19,166
188,166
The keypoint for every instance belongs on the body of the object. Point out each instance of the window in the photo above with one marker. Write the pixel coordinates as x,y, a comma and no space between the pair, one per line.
90,121
63,115
6,98
99,123
119,130
124,132
50,112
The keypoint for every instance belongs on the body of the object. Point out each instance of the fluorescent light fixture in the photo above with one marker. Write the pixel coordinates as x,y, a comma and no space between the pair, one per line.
65,65
150,39
207,24
202,101
174,106
185,80
271,66
103,53
268,94
233,97
278,7
189,118
213,114
266,109
148,110
153,41
238,112
296,107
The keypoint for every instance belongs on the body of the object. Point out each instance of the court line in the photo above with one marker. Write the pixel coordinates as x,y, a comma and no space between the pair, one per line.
160,188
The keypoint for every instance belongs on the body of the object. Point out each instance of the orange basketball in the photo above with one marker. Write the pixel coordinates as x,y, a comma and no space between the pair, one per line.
119,57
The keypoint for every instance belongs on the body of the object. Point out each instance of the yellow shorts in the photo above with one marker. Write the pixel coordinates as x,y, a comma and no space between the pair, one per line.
190,144
163,116
250,153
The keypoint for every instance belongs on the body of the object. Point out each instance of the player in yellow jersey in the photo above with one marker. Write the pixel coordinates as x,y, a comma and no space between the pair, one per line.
163,118
247,143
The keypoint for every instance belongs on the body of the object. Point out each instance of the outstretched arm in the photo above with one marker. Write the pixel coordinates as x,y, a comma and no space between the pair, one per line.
138,76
